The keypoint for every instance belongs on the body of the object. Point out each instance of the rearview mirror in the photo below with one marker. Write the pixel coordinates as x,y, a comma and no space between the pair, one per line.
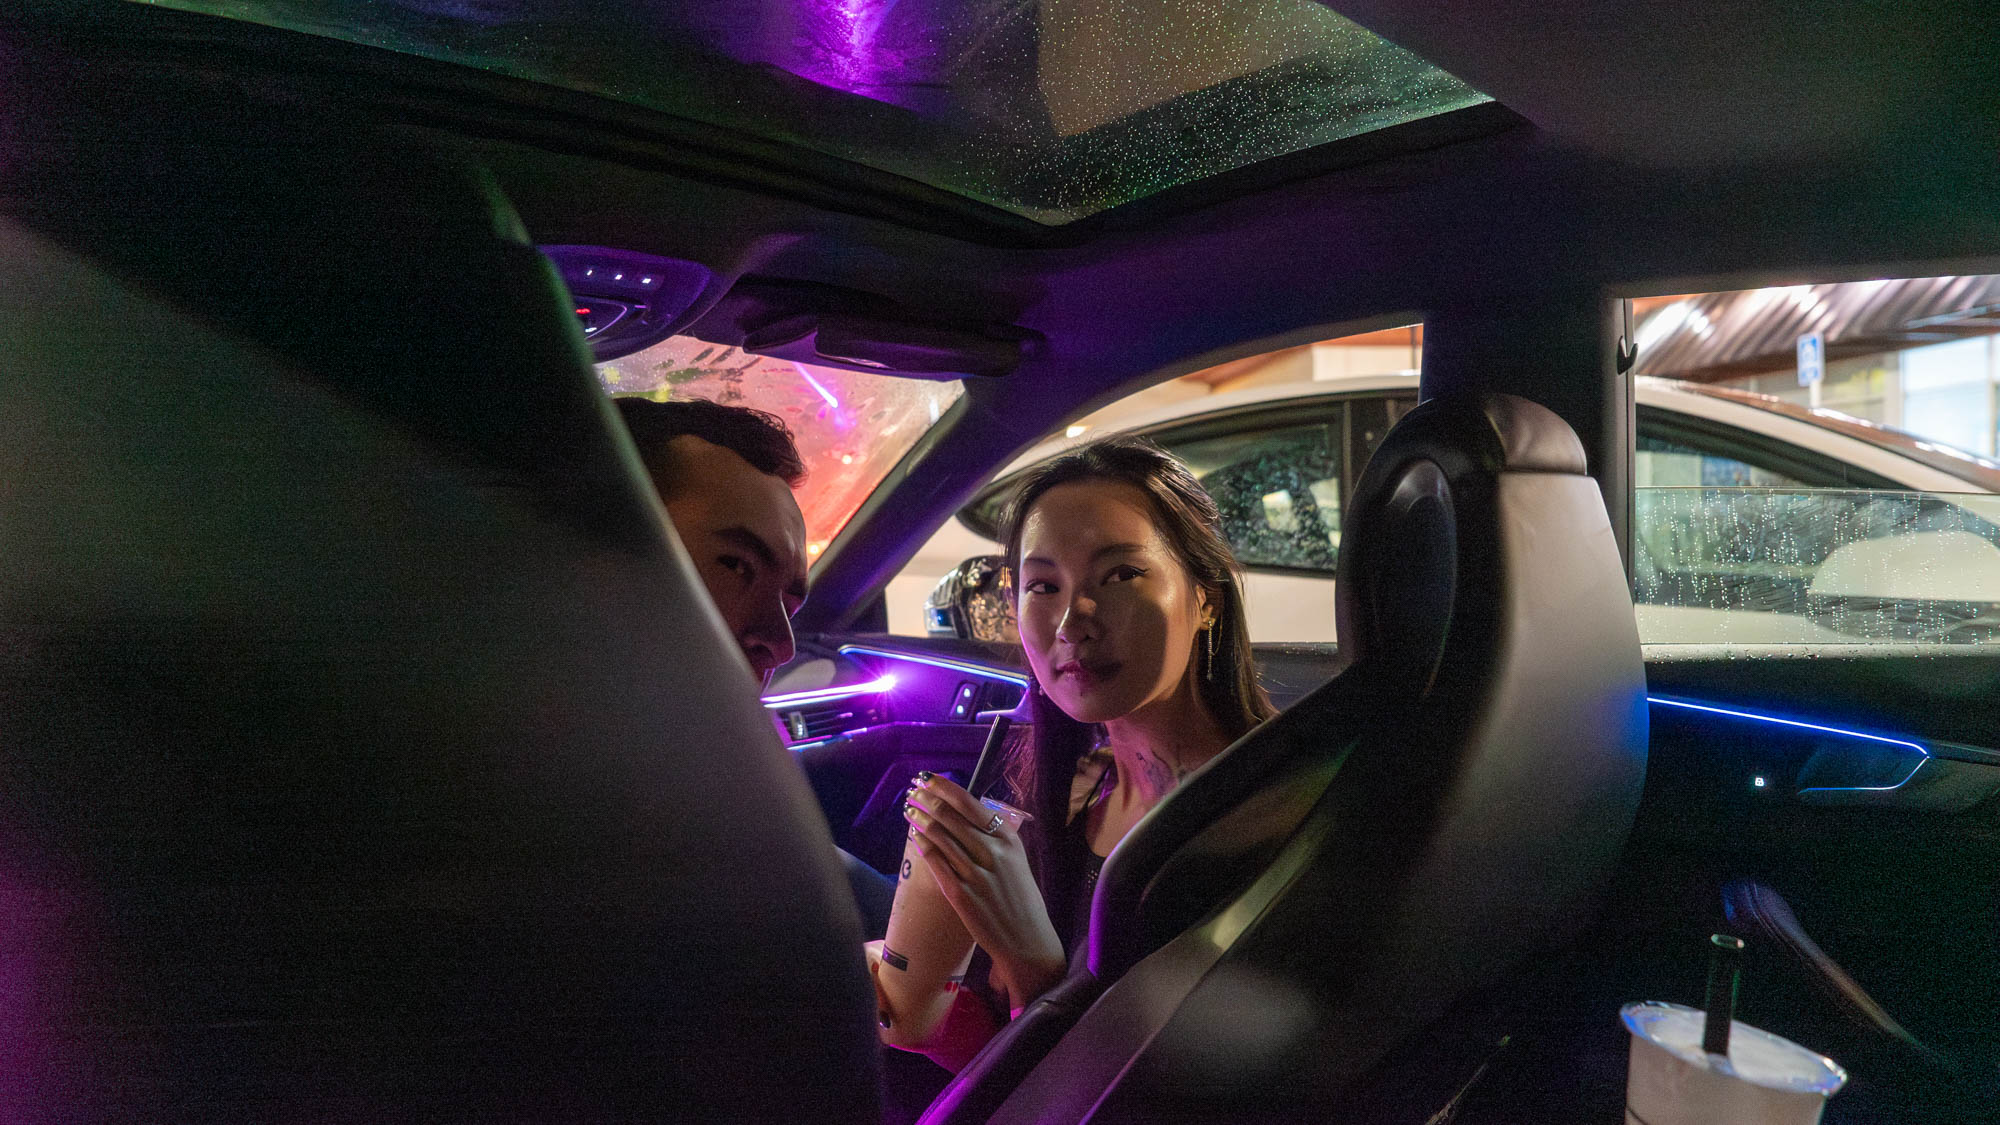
971,602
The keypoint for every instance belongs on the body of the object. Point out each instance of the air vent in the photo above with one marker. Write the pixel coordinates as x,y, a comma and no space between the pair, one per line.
809,722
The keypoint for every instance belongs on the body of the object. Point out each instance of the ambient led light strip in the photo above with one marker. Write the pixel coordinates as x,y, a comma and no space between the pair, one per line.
821,695
1668,701
1923,755
1014,678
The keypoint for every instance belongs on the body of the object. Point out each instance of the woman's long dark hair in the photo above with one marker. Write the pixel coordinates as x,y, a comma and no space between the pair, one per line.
1042,766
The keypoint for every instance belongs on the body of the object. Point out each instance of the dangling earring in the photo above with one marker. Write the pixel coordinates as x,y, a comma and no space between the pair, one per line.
1209,629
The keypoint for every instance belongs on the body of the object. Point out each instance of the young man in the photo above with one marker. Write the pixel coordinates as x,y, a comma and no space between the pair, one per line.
726,474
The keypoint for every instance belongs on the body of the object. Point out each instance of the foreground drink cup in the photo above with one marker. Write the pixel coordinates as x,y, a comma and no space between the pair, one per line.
927,948
1764,1080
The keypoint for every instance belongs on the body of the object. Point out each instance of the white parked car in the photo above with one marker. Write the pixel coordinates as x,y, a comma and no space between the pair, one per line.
1756,520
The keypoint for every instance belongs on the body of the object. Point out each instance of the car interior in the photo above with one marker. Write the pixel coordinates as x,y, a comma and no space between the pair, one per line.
370,749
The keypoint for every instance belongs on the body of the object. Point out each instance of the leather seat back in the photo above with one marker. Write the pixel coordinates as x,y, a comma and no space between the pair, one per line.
1322,892
364,723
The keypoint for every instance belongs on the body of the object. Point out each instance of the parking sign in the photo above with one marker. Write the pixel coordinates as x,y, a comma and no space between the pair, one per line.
1812,358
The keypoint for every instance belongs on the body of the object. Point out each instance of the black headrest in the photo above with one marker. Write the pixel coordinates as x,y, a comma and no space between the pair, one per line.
1398,571
1419,559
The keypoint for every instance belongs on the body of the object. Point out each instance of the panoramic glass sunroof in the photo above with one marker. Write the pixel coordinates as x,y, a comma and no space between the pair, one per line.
1053,110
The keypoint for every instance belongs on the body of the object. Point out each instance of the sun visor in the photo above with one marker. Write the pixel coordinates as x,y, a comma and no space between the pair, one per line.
920,351
833,327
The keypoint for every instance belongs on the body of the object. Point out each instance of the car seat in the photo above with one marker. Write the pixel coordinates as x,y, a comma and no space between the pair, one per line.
1315,925
366,729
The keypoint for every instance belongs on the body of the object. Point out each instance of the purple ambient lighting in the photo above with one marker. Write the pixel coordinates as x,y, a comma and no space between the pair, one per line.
814,384
821,695
1014,678
839,45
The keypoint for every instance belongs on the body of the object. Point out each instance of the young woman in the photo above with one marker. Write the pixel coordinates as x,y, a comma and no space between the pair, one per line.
1131,614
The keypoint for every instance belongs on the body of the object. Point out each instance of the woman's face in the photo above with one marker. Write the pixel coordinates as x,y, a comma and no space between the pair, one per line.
1108,615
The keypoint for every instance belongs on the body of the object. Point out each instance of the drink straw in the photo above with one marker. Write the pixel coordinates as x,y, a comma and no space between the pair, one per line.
1719,1008
989,757
985,771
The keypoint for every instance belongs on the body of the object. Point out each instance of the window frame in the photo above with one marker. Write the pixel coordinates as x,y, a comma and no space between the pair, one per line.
981,514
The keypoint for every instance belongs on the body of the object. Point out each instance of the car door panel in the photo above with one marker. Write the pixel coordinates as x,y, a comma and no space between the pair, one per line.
1858,784
921,712
1889,877
859,775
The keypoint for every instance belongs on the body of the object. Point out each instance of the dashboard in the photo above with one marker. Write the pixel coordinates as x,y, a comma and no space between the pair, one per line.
865,714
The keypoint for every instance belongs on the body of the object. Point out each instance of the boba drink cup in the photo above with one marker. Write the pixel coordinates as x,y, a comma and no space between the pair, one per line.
1763,1080
927,948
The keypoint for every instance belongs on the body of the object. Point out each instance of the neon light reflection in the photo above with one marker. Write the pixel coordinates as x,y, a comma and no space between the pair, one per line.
815,385
821,695
1011,677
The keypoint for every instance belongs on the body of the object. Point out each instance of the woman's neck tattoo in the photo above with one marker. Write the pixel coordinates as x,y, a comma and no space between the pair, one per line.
1160,775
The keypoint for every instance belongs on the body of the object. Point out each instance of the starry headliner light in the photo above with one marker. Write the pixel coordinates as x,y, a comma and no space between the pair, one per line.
840,46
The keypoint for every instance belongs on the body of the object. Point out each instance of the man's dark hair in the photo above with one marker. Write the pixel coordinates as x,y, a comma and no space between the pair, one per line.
759,438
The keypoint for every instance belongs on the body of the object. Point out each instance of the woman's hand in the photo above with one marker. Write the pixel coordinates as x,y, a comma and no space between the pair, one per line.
986,879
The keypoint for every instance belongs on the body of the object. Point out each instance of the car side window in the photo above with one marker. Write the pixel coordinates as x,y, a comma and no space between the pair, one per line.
1677,450
1279,492
1661,462
1836,527
1368,422
1282,484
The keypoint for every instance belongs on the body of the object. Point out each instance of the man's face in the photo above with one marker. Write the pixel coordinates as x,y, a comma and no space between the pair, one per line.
748,540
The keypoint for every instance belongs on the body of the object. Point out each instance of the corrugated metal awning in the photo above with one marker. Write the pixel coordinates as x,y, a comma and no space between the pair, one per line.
1711,336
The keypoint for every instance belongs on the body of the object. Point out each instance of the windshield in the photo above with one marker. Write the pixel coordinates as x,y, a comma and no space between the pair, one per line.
851,428
1052,111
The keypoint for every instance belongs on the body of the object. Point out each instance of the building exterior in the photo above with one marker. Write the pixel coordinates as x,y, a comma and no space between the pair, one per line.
1919,354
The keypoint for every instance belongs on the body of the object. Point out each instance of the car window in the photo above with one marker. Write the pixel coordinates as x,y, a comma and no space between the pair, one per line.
1802,566
1836,507
1281,486
851,427
1278,490
1839,503
1368,422
1677,449
1662,462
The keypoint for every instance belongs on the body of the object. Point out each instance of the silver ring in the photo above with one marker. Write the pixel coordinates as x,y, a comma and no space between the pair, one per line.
992,826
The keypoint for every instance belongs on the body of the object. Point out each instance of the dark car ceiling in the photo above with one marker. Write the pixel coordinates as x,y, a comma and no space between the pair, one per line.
1660,147
1681,83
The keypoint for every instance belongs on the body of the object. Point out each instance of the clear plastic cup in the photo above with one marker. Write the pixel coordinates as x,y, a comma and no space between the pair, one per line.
1765,1080
927,948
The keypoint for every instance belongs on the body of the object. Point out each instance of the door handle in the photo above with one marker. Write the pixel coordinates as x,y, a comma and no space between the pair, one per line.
1946,777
